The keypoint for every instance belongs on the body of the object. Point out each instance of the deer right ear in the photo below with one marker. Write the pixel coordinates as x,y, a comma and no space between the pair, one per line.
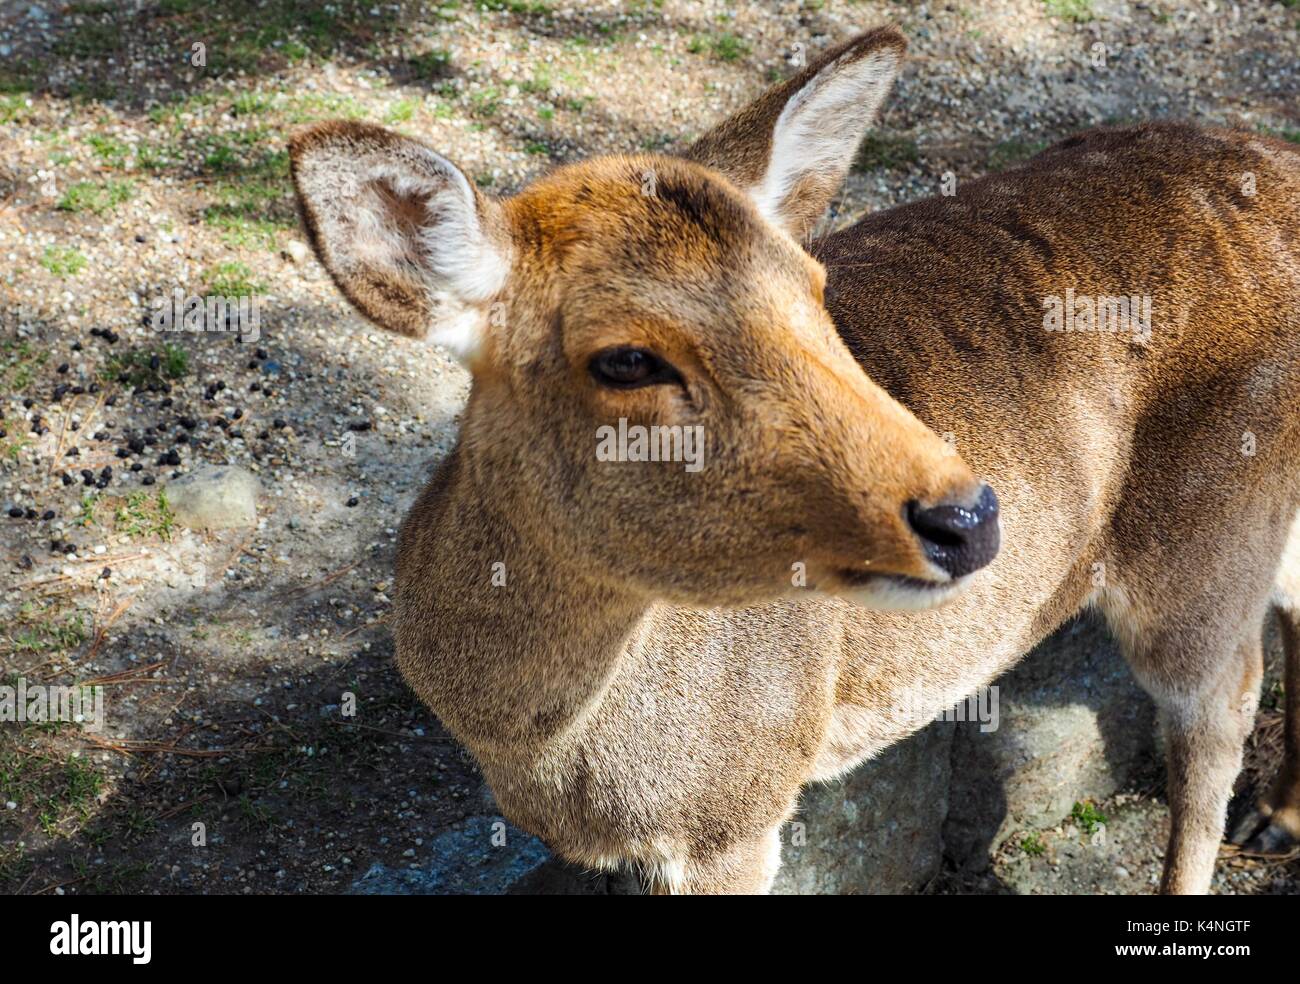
405,235
791,148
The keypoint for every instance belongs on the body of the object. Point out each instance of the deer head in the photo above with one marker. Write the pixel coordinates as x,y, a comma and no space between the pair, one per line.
668,294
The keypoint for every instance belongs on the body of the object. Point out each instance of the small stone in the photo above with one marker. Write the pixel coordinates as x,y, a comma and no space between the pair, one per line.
214,497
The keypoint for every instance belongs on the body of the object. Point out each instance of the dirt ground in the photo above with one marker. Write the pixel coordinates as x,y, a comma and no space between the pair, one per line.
142,149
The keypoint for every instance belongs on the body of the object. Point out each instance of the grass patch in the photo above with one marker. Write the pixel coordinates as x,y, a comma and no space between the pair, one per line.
1032,844
89,503
13,108
534,7
1010,153
485,102
113,152
251,104
254,203
95,39
63,261
49,636
232,279
1071,11
314,106
401,111
21,361
99,198
885,151
1282,133
143,514
724,47
140,367
1087,817
245,233
434,64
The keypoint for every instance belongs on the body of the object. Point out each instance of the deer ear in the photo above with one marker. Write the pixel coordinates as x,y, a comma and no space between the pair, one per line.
407,238
791,148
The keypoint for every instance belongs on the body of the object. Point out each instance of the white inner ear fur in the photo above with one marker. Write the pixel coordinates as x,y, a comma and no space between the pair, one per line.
822,124
460,267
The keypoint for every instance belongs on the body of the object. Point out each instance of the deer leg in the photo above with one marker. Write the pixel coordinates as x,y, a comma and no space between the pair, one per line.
1205,728
743,867
1274,826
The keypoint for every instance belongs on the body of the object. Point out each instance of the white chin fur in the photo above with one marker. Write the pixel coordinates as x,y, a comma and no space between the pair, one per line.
889,595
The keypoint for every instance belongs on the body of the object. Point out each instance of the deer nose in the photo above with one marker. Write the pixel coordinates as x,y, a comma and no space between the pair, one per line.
958,539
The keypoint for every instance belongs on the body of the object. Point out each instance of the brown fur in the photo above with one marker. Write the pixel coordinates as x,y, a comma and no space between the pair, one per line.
648,686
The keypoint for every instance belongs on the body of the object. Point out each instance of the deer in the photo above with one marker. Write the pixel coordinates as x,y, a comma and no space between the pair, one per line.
917,464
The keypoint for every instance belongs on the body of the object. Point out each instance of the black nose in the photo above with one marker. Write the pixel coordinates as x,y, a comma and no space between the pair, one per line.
956,538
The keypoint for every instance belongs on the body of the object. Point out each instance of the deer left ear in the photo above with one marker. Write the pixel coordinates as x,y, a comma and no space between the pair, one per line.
791,148
405,235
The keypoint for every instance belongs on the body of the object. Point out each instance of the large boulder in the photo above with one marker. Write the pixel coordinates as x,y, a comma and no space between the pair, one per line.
1073,725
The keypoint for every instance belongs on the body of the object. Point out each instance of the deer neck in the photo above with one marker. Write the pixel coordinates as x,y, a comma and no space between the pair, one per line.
510,644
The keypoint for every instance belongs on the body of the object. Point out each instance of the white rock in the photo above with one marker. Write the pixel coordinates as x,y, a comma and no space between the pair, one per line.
215,497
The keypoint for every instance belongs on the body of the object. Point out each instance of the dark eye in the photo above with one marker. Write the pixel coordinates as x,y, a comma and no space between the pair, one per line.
627,368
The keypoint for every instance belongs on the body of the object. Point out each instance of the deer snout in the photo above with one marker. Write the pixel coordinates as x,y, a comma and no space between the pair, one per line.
956,538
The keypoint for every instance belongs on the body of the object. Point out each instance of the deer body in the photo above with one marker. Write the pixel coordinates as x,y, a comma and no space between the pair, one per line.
647,683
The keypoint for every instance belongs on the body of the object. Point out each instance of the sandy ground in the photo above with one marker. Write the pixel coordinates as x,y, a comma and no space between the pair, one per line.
142,149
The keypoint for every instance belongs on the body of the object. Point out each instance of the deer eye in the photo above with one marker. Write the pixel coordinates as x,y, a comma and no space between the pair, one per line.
626,367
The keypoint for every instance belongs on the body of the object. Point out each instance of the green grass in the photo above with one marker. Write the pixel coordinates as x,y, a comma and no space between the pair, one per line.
60,791
535,7
89,503
539,83
312,107
13,108
113,152
725,47
96,197
21,361
434,64
156,157
1009,153
251,104
232,279
63,261
12,450
142,366
50,636
1032,844
1282,133
245,233
1087,817
880,150
401,111
143,514
1071,11
485,102
94,39
253,203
